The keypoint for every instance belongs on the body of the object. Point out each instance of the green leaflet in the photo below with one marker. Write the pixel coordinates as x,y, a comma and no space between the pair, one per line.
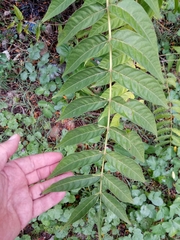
115,206
72,183
101,26
81,19
126,166
129,141
81,210
139,49
118,188
136,112
82,134
82,105
81,80
56,7
76,160
154,5
141,83
86,49
134,15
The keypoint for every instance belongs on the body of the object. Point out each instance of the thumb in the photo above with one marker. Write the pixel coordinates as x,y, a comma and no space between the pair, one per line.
8,148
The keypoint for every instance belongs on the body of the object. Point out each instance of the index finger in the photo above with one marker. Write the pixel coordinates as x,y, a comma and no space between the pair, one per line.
32,163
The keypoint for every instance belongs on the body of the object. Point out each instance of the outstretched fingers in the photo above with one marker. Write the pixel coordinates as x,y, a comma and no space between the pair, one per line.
45,202
8,148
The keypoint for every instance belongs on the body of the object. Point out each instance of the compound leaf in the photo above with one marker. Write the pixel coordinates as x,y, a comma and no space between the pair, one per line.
126,166
82,105
81,134
81,19
71,183
76,160
118,188
130,141
115,206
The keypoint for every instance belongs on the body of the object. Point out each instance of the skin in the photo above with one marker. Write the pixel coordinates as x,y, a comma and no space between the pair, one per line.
21,187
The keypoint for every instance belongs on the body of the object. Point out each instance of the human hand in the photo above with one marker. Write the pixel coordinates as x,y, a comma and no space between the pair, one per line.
21,187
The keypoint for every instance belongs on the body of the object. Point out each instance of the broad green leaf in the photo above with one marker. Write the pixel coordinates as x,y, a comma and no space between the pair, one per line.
56,7
81,80
86,49
139,49
115,206
81,19
133,14
71,183
81,210
126,166
118,188
18,13
136,112
82,134
141,83
154,5
101,26
130,141
76,160
82,105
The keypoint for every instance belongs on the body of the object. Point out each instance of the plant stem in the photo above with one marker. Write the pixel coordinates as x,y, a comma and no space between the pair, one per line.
109,115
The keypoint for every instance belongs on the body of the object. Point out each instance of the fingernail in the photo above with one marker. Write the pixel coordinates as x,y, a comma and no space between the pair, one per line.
13,137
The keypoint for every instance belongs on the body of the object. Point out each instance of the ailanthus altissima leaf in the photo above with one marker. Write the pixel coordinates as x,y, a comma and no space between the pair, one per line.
82,105
81,210
115,206
82,134
81,80
136,112
126,166
141,83
129,141
86,49
56,7
118,188
139,49
154,5
72,183
81,19
76,160
133,14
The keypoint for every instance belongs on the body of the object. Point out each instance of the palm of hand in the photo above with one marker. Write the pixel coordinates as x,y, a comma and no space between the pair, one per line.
21,185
